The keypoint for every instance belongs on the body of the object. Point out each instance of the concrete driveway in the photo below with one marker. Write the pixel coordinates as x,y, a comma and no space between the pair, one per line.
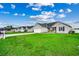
9,35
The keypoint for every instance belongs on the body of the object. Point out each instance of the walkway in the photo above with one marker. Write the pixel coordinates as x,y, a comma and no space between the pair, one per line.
9,35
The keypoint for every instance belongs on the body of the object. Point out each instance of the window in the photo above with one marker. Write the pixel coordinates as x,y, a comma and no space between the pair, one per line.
53,28
61,28
76,28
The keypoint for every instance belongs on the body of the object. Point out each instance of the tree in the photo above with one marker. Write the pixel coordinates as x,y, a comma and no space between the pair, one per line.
8,27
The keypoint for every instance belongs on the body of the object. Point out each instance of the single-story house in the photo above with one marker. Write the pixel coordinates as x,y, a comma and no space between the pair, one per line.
59,27
20,29
54,27
76,30
2,29
75,27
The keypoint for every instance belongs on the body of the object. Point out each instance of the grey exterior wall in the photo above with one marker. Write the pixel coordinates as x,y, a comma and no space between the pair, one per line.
57,25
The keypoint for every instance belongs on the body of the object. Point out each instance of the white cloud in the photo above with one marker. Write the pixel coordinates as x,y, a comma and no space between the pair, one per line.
15,14
33,5
39,17
61,10
37,6
48,13
40,4
13,6
36,9
47,4
69,10
1,6
23,14
44,16
61,16
30,4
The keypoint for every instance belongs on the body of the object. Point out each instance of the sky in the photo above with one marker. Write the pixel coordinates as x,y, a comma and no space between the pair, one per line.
24,14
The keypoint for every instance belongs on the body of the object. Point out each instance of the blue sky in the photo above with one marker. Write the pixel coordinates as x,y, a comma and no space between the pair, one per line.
24,14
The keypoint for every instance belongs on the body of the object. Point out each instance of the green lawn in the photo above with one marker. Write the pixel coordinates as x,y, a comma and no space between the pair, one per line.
41,45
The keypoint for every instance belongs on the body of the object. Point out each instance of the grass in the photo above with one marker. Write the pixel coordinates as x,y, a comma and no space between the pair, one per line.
41,45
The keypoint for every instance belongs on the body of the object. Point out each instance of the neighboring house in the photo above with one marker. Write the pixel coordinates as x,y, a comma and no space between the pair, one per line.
40,28
20,29
2,29
76,30
75,27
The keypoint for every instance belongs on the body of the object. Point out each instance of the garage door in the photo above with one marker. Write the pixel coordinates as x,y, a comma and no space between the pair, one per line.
37,30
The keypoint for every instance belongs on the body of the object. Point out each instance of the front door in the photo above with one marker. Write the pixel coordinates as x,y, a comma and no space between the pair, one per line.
54,29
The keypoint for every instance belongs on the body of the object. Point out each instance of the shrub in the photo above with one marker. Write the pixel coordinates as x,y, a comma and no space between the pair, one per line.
71,32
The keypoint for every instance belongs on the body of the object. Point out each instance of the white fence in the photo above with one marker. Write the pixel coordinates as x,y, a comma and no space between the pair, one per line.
2,34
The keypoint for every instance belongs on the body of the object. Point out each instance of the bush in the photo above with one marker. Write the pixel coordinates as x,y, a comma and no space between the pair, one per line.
71,32
25,30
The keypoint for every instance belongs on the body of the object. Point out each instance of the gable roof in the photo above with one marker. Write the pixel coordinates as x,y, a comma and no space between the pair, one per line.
61,23
48,25
29,27
43,24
